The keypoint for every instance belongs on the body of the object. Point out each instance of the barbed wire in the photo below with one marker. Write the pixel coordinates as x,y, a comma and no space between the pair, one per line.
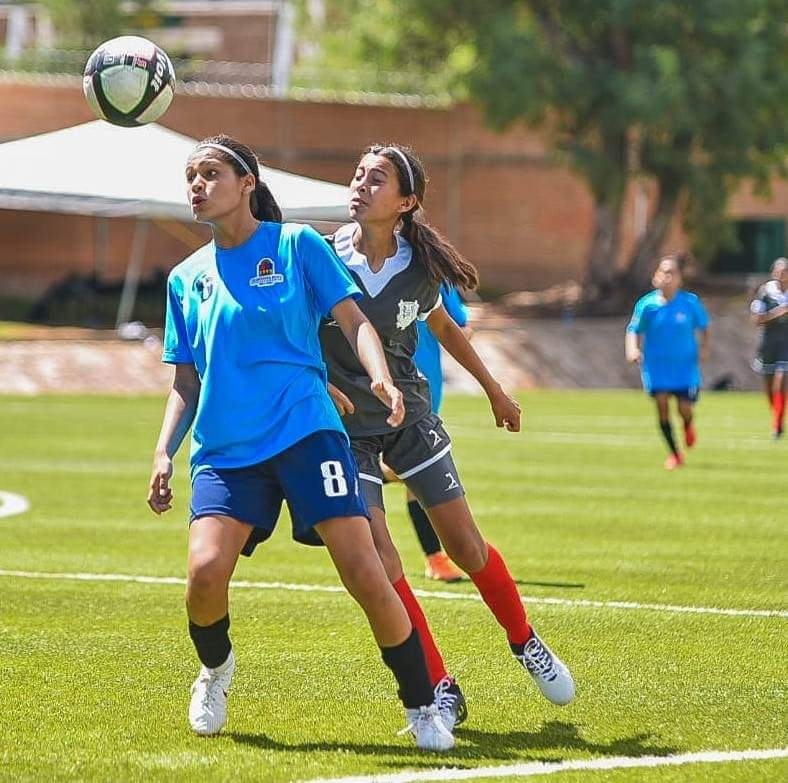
198,76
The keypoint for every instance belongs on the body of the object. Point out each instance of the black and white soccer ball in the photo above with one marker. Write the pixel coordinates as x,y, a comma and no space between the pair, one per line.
129,81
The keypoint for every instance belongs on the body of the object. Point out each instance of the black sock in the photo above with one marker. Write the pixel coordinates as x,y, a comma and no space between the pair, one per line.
409,667
428,538
667,433
212,642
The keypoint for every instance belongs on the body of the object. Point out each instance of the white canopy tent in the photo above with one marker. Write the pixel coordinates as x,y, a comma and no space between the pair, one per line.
101,170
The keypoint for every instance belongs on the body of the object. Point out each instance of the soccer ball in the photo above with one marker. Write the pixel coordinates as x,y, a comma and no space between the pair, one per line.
129,81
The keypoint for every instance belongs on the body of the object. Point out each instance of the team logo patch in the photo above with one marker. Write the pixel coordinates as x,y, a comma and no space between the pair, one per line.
408,312
203,285
266,274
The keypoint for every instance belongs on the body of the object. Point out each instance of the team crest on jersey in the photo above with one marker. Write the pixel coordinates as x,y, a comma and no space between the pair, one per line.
203,285
408,312
266,274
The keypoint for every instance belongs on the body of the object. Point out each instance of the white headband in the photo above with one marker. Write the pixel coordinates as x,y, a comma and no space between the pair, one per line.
228,151
405,160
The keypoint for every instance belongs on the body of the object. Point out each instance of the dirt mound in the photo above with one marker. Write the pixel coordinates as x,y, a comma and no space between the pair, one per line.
522,353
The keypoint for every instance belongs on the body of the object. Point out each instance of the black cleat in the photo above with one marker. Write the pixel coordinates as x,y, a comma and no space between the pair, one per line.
450,703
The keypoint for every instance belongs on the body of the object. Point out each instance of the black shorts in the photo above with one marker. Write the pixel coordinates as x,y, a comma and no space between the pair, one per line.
772,354
420,454
691,394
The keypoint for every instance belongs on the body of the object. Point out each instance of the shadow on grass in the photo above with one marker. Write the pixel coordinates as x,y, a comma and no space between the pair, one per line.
563,740
560,736
405,751
566,585
523,582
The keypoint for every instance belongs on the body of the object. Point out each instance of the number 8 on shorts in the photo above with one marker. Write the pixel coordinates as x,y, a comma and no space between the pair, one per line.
334,482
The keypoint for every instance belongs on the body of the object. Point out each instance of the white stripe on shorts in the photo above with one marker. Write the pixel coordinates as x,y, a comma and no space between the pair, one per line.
431,461
373,479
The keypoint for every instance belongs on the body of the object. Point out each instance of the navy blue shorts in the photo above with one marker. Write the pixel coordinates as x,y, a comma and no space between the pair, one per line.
690,394
316,476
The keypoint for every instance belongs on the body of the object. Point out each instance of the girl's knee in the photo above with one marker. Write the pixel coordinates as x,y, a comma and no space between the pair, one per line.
366,582
469,554
387,553
208,573
391,563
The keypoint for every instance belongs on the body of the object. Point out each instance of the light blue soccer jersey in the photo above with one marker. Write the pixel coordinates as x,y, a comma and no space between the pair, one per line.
247,317
670,346
428,350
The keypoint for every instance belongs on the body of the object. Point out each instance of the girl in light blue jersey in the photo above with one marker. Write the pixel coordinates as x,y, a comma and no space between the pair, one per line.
668,335
241,330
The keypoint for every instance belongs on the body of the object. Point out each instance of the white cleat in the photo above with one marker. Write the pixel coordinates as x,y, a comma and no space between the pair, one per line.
208,706
426,726
549,673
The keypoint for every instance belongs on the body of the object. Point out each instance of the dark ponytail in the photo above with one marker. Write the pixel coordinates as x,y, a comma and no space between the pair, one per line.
261,202
443,262
440,258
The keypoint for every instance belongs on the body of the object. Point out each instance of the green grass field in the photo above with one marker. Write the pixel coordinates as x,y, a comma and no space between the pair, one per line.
96,672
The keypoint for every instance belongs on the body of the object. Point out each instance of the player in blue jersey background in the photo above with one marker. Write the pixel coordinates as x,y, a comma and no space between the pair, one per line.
668,334
428,360
242,332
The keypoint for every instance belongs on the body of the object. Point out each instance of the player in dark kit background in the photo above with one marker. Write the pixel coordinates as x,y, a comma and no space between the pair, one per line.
769,311
399,262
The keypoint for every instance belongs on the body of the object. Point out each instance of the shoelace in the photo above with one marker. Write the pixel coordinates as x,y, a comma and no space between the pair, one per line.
539,661
209,685
445,701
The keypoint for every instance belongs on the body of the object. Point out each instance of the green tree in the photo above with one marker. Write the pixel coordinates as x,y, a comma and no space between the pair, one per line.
340,49
84,23
690,97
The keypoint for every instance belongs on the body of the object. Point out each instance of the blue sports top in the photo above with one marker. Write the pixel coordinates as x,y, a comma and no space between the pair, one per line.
428,350
247,317
670,346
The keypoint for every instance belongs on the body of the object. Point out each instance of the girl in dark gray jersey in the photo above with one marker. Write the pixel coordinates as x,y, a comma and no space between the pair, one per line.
770,312
399,263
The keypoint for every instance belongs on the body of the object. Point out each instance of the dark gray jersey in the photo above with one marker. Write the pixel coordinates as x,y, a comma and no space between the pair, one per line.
774,333
769,297
394,299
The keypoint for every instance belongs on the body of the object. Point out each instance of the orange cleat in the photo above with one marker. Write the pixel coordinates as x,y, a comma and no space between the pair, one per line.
441,568
690,436
674,461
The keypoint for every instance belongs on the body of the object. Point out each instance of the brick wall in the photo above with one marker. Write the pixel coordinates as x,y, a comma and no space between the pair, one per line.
521,218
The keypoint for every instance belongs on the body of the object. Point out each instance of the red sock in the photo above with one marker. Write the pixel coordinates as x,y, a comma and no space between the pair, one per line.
778,403
499,592
435,665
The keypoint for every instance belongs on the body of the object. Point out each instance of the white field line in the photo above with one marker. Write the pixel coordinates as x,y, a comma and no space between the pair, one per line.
536,768
11,504
246,585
